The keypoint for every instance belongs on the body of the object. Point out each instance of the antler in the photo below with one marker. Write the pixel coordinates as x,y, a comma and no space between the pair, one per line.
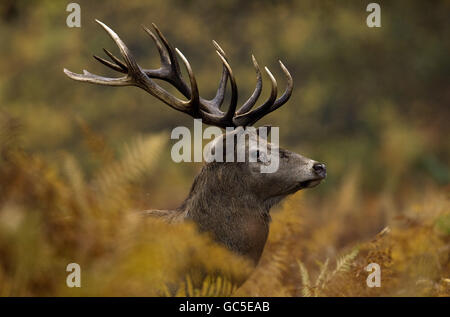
197,107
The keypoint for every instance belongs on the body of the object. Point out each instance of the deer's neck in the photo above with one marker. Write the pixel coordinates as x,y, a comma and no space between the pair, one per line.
220,202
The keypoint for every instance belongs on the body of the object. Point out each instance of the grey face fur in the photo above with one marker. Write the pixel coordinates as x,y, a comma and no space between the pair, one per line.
232,199
290,171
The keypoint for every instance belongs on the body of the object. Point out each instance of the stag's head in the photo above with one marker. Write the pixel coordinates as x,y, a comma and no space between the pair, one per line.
269,171
261,167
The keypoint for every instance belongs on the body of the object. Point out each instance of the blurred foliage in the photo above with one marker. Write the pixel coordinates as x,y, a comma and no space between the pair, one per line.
50,215
322,248
370,103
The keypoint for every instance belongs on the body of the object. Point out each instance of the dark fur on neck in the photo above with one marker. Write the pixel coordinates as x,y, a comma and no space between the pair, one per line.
236,217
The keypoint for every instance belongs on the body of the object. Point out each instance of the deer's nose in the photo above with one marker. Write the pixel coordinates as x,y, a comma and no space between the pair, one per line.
320,169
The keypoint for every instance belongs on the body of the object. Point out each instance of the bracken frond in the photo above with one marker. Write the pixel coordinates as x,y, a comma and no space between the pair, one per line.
139,159
322,275
211,286
343,263
306,287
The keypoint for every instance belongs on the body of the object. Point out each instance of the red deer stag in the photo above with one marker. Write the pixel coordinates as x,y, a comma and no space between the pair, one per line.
231,200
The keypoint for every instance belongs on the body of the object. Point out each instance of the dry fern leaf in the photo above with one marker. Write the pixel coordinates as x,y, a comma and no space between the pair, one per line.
211,287
322,275
344,262
306,289
139,158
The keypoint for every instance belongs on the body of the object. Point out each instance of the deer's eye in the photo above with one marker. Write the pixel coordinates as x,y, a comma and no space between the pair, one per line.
261,156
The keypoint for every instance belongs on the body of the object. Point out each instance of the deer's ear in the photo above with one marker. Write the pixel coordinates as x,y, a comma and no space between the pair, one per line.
264,131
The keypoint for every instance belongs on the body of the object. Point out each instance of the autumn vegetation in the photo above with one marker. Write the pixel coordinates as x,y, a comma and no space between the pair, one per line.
78,163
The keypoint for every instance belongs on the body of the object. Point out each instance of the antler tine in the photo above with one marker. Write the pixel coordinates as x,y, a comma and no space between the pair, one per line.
172,58
116,60
220,50
116,65
170,69
111,65
256,114
234,91
271,104
287,93
218,99
195,97
224,119
129,59
94,79
171,72
215,103
162,53
256,93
